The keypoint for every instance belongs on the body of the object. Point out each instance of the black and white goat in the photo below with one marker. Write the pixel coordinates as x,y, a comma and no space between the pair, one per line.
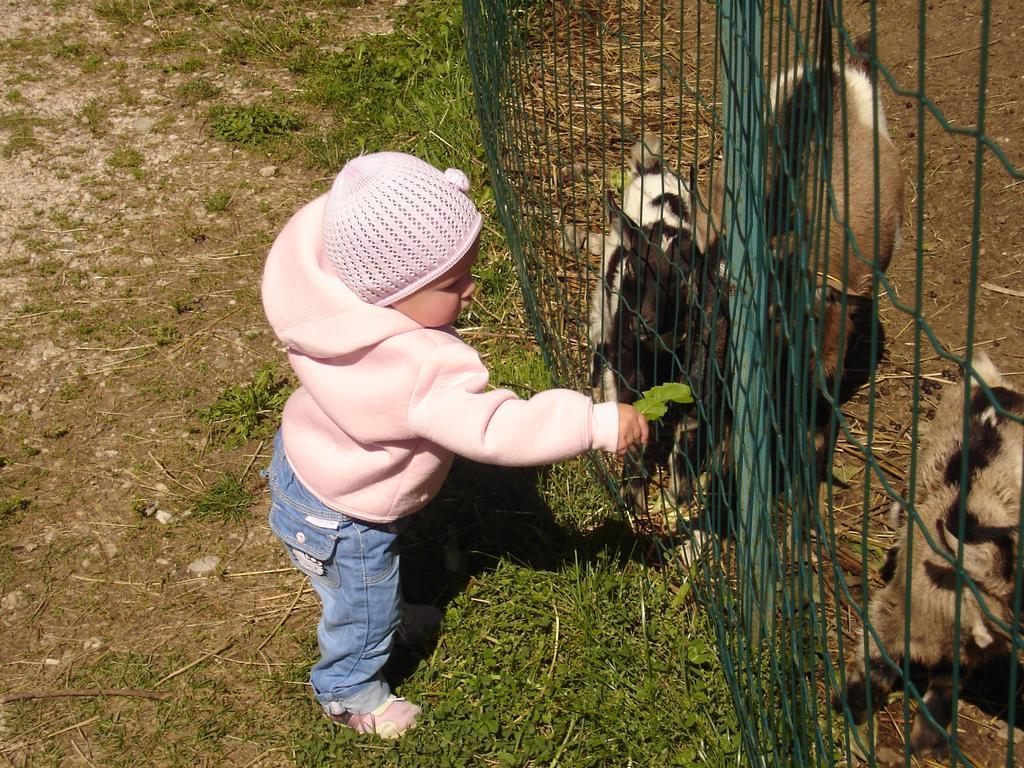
863,187
973,491
657,314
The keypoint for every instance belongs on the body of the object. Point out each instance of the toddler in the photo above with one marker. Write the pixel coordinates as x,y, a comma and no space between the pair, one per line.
362,286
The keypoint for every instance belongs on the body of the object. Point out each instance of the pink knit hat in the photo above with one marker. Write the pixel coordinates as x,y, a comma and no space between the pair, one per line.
394,223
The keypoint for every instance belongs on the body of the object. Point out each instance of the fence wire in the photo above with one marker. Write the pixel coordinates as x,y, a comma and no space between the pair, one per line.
691,195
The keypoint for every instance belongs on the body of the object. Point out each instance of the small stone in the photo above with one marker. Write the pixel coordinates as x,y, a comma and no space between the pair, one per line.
92,644
268,170
12,601
51,662
204,565
163,516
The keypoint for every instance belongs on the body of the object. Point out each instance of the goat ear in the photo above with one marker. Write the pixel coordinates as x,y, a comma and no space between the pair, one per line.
646,155
707,213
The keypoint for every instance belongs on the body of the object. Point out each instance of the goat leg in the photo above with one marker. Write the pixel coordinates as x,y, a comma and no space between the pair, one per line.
926,739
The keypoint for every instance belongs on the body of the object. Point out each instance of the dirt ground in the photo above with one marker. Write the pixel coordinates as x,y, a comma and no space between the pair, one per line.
127,305
940,216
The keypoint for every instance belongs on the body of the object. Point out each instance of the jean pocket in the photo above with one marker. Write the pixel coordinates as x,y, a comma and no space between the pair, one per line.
311,549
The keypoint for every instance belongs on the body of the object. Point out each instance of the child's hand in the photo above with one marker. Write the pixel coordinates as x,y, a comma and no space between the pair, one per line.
632,428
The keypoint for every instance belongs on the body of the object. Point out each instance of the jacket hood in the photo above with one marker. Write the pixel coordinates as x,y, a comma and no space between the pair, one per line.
310,309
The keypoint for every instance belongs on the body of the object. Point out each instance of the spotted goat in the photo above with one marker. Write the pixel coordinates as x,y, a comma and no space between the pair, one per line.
974,493
658,314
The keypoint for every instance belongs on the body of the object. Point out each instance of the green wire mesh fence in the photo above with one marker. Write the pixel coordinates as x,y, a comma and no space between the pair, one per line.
707,194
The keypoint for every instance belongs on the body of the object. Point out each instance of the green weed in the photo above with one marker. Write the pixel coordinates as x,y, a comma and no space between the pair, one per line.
19,142
271,40
188,66
69,390
118,669
126,159
96,115
41,245
12,508
121,11
71,49
48,267
164,334
252,125
171,42
227,500
186,304
251,410
219,201
197,90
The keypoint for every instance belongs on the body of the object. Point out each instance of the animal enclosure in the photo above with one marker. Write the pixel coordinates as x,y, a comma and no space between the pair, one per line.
810,215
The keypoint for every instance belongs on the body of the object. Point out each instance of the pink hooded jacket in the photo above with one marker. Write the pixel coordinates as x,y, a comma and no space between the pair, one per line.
384,403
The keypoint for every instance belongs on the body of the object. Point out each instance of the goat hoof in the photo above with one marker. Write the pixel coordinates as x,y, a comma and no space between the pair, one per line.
929,742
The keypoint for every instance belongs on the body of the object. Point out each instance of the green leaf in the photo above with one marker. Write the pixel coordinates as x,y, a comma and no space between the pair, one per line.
655,400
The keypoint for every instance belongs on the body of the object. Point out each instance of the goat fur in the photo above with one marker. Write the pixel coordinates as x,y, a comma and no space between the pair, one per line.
861,237
657,314
924,572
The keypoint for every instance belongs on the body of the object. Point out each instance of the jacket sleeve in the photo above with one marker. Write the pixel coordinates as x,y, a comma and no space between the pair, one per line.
449,407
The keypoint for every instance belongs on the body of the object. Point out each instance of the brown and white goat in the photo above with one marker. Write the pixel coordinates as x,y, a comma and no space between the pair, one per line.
657,314
973,492
863,188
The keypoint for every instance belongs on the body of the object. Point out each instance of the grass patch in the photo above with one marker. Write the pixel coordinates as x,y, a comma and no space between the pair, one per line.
227,500
251,410
12,509
197,90
187,66
252,125
164,334
120,11
21,126
96,115
273,39
126,159
218,202
384,89
594,664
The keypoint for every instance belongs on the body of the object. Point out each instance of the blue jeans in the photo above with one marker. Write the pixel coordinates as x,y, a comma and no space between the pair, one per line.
353,566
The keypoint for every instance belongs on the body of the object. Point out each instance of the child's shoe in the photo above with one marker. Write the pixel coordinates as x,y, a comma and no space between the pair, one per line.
389,721
419,623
